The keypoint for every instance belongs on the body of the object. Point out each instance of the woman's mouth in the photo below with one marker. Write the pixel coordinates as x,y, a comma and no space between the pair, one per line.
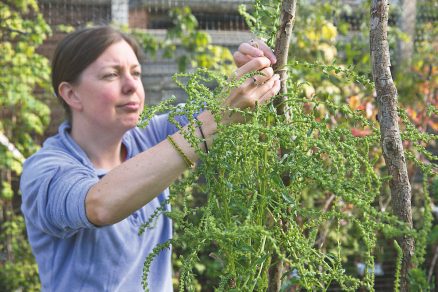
130,106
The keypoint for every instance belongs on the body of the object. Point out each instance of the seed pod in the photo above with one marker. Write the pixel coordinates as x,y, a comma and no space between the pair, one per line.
232,283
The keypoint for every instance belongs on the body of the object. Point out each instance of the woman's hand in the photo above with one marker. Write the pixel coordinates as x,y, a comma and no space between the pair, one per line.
253,49
255,90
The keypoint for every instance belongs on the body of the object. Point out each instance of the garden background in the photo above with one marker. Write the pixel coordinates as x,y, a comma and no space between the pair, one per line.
184,35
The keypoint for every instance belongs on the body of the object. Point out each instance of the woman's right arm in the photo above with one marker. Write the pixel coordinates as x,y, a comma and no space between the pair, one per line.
140,179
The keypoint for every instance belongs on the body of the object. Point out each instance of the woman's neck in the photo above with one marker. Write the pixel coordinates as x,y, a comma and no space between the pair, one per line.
104,148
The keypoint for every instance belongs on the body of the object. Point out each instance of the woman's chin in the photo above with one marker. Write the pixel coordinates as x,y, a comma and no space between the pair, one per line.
131,122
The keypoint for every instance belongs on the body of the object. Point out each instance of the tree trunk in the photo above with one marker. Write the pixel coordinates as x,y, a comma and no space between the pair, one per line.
390,134
281,51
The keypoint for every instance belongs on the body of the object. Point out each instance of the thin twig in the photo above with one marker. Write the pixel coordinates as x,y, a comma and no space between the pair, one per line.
323,235
432,264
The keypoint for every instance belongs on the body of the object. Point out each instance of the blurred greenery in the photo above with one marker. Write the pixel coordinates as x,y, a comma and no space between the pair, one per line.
195,48
23,117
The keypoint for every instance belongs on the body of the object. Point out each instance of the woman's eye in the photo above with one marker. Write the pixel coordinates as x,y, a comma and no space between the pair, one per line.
110,75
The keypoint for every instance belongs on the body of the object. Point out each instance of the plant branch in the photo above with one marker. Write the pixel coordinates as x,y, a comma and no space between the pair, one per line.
432,265
325,230
390,134
281,51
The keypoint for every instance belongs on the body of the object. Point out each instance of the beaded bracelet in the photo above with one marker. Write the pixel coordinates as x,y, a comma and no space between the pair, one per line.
202,135
179,150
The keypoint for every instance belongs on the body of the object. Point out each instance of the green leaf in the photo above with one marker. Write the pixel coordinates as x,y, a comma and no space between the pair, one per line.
7,193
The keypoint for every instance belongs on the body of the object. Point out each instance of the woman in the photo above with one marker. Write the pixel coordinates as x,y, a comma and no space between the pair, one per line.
91,186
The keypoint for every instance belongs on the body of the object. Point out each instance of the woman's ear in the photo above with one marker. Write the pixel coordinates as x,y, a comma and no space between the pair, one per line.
68,94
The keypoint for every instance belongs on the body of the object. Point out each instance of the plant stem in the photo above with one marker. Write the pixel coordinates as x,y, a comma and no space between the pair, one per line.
281,51
262,248
432,265
287,19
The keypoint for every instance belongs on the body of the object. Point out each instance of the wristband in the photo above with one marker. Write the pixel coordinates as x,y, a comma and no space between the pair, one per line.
202,134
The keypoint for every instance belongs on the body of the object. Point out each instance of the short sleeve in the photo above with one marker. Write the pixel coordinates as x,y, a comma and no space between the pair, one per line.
162,126
54,189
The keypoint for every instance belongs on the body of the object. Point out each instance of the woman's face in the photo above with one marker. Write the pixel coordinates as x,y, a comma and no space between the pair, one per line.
110,90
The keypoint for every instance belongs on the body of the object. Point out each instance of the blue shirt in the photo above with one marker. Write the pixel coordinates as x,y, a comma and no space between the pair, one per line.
72,253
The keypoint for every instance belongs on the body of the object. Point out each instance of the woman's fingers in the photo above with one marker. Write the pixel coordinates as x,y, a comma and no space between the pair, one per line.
248,94
264,92
257,80
266,74
255,64
246,53
253,49
272,88
257,89
267,52
241,59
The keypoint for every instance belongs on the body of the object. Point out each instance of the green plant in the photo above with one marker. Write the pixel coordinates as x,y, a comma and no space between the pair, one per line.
330,213
23,116
246,195
20,271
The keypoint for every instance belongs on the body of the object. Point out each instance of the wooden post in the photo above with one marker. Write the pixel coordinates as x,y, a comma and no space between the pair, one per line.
390,134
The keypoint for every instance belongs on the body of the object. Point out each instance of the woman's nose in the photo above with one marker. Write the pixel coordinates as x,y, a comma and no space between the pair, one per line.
130,84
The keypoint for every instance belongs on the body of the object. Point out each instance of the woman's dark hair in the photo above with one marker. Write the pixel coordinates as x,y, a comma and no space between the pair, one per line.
81,48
